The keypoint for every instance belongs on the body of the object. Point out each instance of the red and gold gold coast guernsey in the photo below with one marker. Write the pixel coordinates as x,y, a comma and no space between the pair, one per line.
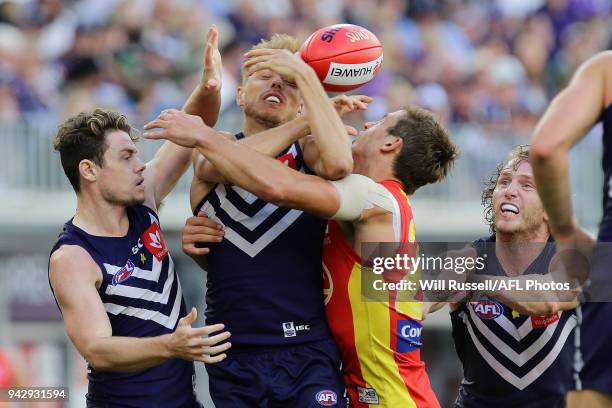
379,340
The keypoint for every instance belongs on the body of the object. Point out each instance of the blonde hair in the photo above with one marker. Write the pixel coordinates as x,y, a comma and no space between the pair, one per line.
276,42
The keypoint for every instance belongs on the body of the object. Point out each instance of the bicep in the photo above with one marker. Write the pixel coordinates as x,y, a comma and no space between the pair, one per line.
73,277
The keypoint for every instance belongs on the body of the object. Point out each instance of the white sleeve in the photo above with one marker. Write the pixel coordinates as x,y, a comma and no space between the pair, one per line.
358,193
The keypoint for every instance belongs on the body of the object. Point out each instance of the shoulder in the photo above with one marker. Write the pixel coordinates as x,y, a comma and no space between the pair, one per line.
144,211
72,263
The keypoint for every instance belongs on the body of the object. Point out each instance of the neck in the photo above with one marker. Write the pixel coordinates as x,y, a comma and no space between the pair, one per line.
377,170
99,217
516,252
251,126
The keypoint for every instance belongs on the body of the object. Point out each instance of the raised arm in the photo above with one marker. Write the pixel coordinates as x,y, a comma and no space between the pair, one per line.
567,120
263,176
270,142
334,158
74,277
347,199
273,141
171,161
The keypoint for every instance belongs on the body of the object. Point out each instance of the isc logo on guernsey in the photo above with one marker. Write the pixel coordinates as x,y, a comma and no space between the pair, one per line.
327,398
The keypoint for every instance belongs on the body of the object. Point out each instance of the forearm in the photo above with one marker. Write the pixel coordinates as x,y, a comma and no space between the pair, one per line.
205,104
244,167
552,179
127,353
172,161
330,135
270,142
273,141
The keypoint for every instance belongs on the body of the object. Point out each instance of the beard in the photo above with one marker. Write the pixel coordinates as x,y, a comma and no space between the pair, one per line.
124,201
527,227
265,119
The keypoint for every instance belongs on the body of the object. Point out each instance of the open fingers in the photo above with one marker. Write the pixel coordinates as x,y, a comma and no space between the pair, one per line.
156,124
364,98
209,341
262,52
213,350
206,330
205,358
163,134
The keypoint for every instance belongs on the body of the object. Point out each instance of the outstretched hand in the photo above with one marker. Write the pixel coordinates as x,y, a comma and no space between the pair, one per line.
211,75
178,127
198,343
348,103
283,62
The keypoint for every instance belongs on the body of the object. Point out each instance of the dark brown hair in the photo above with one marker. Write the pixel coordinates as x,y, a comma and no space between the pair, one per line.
83,137
518,155
427,153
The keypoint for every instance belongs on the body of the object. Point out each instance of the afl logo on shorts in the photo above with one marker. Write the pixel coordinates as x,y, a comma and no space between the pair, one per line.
488,309
326,398
124,273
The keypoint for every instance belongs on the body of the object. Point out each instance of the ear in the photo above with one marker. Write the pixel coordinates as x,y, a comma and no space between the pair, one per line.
88,170
391,144
240,96
300,110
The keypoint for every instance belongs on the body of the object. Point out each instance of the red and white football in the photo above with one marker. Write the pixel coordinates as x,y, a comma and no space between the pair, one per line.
344,56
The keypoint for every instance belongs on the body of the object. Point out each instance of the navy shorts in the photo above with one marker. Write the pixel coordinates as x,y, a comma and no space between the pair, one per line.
308,375
593,369
592,362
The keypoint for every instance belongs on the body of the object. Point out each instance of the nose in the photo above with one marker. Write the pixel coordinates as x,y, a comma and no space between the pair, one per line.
277,82
140,166
368,125
511,190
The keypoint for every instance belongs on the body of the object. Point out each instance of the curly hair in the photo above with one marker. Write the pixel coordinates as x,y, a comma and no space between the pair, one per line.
518,155
83,137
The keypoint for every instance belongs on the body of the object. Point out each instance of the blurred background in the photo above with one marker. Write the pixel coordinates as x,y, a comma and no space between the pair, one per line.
487,68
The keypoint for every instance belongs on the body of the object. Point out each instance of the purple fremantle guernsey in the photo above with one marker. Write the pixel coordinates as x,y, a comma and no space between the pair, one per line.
142,296
265,278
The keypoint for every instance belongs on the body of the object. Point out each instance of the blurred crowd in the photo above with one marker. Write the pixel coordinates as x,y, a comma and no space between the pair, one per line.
491,63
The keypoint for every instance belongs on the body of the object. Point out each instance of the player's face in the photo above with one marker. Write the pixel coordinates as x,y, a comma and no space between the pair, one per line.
517,208
370,140
121,177
269,99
